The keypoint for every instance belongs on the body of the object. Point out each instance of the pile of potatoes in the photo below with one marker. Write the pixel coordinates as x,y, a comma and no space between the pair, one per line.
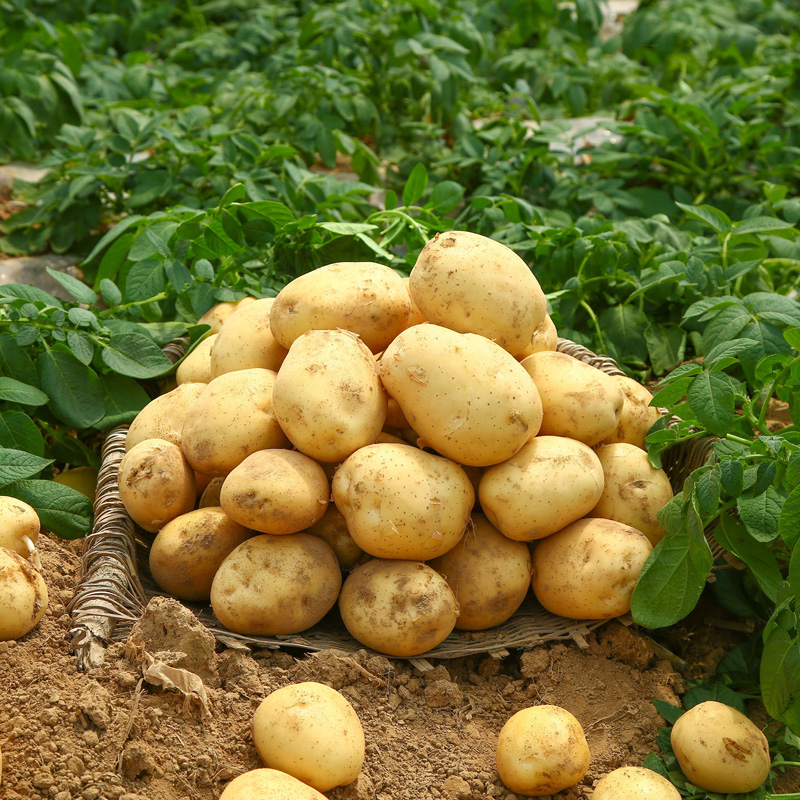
466,460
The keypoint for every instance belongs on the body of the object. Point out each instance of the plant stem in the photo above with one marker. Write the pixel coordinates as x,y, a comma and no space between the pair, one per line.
154,299
596,324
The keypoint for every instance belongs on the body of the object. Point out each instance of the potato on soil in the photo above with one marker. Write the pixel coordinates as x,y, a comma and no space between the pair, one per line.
472,284
542,750
163,417
401,502
549,483
311,732
276,491
19,526
246,342
634,783
156,484
720,749
271,585
545,337
634,490
466,397
365,298
188,551
401,608
328,397
332,528
268,784
589,569
578,401
488,573
23,595
232,418
196,367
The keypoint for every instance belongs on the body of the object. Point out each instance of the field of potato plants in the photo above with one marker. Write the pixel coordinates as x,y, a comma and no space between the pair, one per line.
459,344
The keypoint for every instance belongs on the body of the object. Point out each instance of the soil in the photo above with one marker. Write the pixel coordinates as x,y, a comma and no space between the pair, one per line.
112,734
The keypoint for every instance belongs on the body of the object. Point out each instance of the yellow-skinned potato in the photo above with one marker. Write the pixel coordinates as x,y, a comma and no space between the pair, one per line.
488,573
638,416
589,569
23,595
328,397
401,608
19,526
634,783
196,367
415,317
332,528
545,337
246,342
472,284
549,483
217,316
81,479
311,732
466,397
542,750
232,418
269,784
211,493
578,401
276,491
720,749
634,490
156,484
401,502
163,417
365,298
188,551
271,585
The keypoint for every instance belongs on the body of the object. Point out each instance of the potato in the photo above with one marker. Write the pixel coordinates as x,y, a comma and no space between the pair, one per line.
415,316
400,502
578,401
210,496
488,573
156,484
634,783
332,528
81,479
549,483
362,297
276,491
466,396
472,284
589,569
272,585
545,337
401,608
246,342
19,526
634,490
328,397
638,416
23,595
188,551
163,417
720,749
268,784
196,367
542,750
217,316
232,418
311,732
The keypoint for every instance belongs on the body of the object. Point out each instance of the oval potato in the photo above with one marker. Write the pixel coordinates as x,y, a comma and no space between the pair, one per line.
217,316
545,337
18,521
634,783
332,528
23,595
163,417
637,417
196,367
268,784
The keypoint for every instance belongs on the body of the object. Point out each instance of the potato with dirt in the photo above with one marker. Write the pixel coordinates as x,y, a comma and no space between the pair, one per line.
466,397
19,526
164,416
545,337
23,595
637,417
332,528
634,783
472,284
196,367
268,784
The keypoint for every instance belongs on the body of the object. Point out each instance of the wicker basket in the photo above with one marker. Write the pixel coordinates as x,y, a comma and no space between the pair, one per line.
116,584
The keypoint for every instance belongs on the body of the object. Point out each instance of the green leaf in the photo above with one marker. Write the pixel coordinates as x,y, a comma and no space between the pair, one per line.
735,538
113,259
717,220
145,280
759,225
780,676
792,336
14,360
670,712
15,391
124,398
76,395
623,326
110,293
415,185
17,465
234,194
789,520
718,692
30,293
712,400
112,235
62,510
79,290
444,198
761,513
666,346
794,572
135,355
732,477
19,432
654,764
81,346
347,227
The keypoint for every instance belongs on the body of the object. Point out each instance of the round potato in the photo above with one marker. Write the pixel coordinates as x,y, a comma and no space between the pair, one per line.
400,502
415,316
466,397
246,342
472,284
19,526
719,749
365,298
328,397
217,316
232,418
23,595
210,496
81,479
542,750
578,401
163,417
589,569
332,528
269,784
196,367
311,732
638,416
188,551
156,484
401,608
549,483
271,585
545,337
634,783
634,490
488,573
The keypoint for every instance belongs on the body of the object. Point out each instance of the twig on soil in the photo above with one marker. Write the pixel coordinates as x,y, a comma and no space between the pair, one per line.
137,694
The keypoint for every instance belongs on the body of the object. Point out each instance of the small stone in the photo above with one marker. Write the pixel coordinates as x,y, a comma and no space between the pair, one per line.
76,766
127,680
91,739
63,796
441,694
534,662
456,788
43,780
137,759
91,793
95,703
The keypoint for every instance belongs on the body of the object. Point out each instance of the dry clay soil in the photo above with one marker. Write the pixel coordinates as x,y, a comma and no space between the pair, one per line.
109,734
